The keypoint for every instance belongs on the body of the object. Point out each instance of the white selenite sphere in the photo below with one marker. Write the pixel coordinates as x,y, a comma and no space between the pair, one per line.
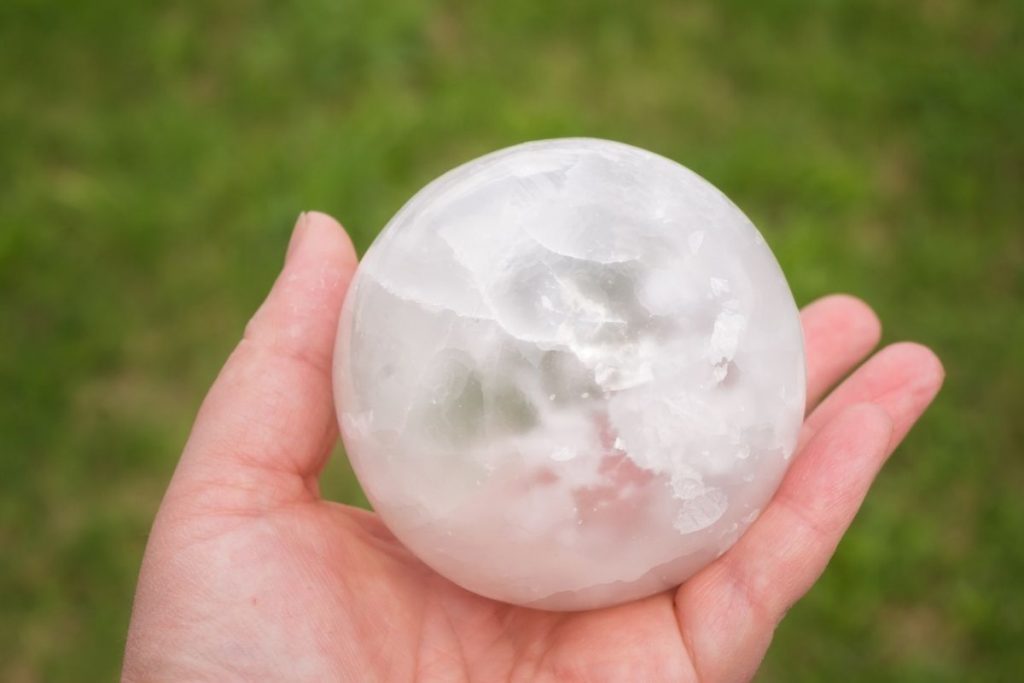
569,374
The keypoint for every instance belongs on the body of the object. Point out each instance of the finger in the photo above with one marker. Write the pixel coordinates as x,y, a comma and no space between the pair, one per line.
839,331
901,378
267,425
749,588
729,611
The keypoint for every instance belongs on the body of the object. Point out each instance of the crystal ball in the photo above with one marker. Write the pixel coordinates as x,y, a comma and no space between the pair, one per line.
569,374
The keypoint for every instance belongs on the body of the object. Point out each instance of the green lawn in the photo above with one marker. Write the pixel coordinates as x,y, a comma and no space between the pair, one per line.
152,162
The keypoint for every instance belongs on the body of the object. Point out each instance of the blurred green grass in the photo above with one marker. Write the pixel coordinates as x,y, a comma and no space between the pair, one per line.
153,160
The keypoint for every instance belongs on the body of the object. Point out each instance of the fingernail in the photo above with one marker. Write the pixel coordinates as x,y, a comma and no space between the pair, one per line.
298,232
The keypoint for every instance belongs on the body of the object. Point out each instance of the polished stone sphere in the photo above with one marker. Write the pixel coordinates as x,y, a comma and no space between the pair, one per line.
569,374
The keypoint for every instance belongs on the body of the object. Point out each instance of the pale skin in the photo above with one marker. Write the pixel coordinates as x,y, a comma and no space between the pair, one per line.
250,575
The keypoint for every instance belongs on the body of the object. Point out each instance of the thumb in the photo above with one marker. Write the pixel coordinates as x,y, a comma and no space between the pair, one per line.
267,425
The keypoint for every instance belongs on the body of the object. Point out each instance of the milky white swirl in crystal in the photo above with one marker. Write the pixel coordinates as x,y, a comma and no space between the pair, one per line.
569,373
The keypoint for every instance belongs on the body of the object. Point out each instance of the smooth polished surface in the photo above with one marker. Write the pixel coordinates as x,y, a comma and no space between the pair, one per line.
569,374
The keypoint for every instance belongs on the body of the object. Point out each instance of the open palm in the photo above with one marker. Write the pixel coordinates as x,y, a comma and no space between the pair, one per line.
250,575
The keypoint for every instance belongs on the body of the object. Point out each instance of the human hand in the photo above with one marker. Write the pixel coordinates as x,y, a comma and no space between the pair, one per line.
250,575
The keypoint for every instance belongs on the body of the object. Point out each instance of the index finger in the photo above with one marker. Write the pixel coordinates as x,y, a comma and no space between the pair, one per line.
740,598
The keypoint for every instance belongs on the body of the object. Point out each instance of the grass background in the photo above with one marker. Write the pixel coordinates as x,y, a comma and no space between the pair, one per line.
153,160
